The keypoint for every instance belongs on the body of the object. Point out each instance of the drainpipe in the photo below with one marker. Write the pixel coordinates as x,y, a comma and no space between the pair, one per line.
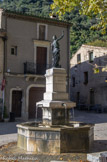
4,58
68,60
3,93
4,38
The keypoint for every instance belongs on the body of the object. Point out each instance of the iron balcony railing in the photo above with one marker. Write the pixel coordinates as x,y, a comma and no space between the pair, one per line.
32,68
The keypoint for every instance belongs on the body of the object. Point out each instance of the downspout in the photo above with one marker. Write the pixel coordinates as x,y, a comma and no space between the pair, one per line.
3,92
68,61
4,38
4,59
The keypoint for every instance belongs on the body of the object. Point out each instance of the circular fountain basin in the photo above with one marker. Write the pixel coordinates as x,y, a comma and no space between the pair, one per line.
39,138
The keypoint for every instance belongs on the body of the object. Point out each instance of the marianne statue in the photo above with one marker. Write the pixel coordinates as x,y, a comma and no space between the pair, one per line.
56,50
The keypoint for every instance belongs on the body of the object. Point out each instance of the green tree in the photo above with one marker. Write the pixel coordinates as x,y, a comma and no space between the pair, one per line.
81,32
34,7
86,7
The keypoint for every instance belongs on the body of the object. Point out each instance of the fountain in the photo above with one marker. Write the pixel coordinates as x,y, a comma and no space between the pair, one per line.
56,133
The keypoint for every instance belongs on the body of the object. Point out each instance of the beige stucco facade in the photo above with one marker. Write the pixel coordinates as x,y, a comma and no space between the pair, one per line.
86,86
1,63
22,33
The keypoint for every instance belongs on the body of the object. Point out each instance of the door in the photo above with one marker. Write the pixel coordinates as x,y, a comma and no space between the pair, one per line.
41,60
78,97
35,95
16,102
92,97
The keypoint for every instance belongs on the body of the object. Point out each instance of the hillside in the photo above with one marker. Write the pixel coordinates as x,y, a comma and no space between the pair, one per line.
80,32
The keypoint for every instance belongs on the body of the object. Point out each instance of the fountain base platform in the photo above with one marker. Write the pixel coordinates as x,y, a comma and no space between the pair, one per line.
39,138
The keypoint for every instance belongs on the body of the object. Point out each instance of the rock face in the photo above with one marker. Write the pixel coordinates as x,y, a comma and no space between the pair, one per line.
56,134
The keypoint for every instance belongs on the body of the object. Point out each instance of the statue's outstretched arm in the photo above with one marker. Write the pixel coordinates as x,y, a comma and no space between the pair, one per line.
61,36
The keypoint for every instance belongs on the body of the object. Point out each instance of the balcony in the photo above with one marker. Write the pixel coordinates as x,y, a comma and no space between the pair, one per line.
32,68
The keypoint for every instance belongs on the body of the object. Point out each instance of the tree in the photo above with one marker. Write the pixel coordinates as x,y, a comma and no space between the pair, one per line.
97,8
33,7
80,31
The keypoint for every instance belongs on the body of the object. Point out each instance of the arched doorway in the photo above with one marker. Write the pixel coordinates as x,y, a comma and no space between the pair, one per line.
35,95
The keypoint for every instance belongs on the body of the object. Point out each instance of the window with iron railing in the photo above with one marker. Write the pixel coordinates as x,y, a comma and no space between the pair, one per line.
32,68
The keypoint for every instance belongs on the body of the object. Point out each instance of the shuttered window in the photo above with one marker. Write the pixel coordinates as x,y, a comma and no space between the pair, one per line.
42,32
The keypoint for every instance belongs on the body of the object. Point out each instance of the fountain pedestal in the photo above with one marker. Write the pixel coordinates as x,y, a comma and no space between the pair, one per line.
56,105
56,134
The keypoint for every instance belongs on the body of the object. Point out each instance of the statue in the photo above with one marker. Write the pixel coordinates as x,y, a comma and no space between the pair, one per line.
56,50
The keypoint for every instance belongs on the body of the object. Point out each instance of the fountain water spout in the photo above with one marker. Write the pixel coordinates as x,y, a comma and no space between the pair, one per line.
71,113
40,105
65,106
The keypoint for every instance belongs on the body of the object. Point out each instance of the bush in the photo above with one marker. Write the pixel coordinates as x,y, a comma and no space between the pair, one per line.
98,43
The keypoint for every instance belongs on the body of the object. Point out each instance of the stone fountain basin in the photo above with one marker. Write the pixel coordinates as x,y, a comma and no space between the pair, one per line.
38,138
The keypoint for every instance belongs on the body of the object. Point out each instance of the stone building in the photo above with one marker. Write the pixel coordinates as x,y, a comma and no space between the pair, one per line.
88,76
25,54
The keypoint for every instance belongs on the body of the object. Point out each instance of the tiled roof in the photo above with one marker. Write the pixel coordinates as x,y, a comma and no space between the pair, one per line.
29,17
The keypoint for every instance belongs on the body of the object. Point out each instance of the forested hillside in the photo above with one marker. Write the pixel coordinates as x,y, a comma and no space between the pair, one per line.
80,31
34,7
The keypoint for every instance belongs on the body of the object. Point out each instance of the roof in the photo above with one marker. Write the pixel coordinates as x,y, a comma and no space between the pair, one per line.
90,47
19,15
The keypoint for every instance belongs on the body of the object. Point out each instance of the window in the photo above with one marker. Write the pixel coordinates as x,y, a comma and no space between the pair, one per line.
73,81
14,50
91,58
42,29
85,77
78,58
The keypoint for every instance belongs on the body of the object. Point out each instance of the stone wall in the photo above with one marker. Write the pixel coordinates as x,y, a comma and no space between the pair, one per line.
96,82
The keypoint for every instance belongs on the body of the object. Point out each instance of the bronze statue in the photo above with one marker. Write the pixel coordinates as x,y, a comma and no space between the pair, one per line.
56,50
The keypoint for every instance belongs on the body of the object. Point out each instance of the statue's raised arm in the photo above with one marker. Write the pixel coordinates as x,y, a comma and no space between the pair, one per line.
61,36
56,50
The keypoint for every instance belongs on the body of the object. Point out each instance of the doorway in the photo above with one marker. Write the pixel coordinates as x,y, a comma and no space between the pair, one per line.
92,97
35,95
16,102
